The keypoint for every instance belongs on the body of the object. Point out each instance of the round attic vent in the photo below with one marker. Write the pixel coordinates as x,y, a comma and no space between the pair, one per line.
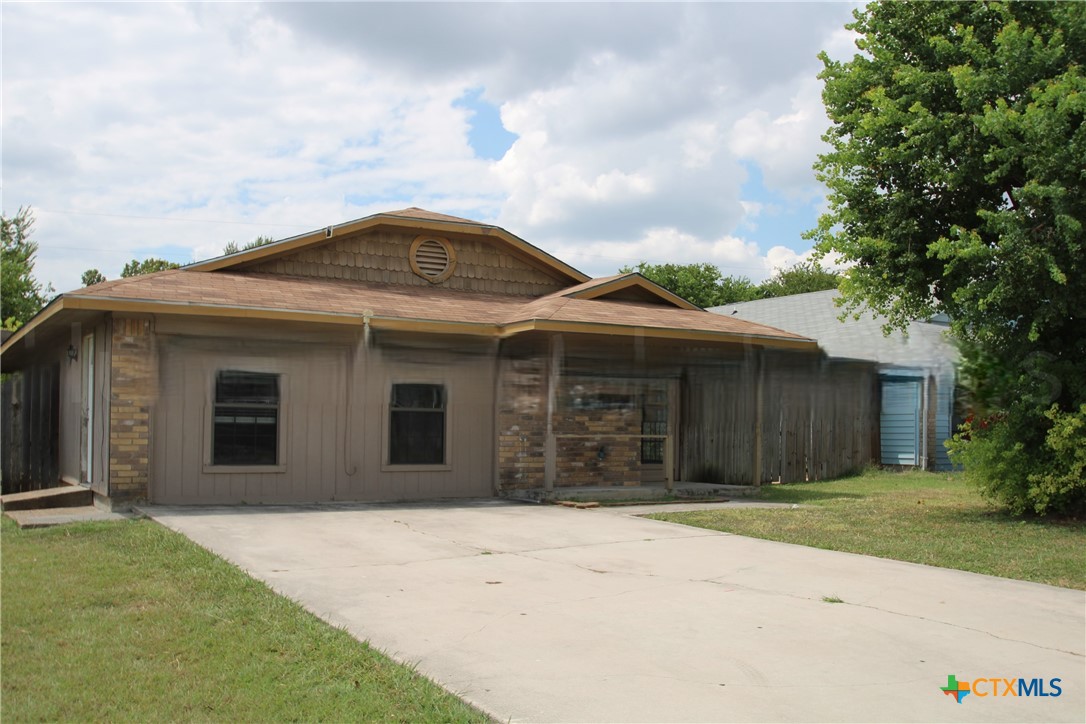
432,258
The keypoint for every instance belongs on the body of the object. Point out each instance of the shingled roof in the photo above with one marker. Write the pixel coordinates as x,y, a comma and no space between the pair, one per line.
626,304
194,292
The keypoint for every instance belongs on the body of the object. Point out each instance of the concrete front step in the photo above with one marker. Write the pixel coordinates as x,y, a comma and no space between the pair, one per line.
66,496
47,517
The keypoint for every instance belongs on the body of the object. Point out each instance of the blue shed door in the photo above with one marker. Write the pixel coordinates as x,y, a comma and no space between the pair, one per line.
900,422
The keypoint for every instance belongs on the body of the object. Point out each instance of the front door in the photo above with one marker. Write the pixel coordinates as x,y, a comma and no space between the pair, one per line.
900,421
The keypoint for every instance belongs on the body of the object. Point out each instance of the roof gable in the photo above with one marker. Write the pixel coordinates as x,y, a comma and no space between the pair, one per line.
631,287
411,219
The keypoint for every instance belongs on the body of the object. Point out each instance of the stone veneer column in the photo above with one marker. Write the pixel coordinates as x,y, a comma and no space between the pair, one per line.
133,387
522,406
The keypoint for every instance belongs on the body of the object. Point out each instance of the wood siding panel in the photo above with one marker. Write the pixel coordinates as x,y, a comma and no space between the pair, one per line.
314,410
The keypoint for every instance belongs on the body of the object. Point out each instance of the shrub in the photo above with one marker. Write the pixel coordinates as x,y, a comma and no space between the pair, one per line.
1043,473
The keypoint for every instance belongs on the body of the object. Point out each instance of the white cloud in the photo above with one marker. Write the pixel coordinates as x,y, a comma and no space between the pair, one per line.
733,255
172,129
785,145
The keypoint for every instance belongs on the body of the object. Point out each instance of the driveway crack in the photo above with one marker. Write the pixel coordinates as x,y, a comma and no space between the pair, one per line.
918,617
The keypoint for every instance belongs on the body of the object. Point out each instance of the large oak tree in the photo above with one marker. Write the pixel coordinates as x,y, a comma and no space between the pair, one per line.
957,180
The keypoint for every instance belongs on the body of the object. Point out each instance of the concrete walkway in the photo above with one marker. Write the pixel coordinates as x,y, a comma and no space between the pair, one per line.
550,614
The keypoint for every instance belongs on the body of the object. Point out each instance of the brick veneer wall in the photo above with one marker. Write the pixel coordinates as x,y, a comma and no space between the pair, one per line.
133,385
522,423
595,457
598,458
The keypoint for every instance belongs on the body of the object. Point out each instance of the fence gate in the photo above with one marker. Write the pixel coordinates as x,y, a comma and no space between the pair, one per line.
30,429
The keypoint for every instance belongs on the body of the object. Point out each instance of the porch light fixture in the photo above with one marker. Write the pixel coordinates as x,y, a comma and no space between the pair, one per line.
73,353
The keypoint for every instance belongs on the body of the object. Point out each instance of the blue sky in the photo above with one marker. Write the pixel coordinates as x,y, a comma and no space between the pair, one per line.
605,134
487,136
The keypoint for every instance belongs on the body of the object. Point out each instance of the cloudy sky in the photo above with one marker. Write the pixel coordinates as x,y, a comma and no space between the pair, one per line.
603,133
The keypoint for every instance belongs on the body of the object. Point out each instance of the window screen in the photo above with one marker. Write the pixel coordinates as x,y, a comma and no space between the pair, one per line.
246,428
417,425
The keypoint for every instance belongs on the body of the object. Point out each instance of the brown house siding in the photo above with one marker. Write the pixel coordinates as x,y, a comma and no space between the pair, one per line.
382,256
334,413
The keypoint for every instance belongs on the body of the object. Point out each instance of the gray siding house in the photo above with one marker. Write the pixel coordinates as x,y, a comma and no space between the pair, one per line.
917,370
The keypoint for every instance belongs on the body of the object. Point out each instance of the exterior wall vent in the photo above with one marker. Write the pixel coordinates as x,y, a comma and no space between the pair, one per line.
432,258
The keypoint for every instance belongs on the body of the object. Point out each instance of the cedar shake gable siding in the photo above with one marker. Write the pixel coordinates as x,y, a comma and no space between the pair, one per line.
383,255
409,221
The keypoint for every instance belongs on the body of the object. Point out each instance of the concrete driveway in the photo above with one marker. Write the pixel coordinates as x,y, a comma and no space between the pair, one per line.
550,614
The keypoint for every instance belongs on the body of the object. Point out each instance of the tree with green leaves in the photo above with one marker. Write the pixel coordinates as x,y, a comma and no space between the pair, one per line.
149,265
232,246
956,184
697,283
801,278
705,285
21,295
92,277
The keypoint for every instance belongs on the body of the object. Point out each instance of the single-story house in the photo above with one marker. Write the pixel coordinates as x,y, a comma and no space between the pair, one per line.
411,355
917,369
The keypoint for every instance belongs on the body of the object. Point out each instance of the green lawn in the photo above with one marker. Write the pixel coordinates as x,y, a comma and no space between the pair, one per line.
915,516
131,622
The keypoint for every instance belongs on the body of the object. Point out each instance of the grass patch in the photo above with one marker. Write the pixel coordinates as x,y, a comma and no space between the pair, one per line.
132,622
930,518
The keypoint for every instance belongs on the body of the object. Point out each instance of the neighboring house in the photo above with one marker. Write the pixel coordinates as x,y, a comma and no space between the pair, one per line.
917,370
411,355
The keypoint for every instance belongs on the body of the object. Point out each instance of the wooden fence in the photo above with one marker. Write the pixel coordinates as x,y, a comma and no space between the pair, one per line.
29,428
812,419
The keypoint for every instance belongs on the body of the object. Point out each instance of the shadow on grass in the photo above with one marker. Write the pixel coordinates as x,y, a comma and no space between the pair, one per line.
1004,517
